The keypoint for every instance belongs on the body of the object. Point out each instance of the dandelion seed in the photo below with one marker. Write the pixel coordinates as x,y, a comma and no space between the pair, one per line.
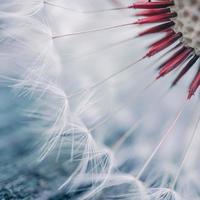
83,12
163,139
161,12
193,137
190,50
91,168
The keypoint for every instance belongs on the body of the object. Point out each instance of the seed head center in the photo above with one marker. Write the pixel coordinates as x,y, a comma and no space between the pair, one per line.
188,22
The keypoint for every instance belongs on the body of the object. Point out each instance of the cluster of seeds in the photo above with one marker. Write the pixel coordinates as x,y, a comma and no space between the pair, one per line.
188,20
179,20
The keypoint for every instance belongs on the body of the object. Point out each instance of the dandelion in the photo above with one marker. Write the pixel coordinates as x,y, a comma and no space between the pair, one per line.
92,125
184,51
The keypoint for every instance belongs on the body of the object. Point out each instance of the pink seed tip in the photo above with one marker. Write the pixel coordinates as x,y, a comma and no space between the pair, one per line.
194,85
152,5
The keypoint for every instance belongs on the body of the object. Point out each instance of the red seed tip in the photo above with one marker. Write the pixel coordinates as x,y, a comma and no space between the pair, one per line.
164,17
163,43
151,12
159,76
175,60
190,94
194,85
188,66
158,28
152,5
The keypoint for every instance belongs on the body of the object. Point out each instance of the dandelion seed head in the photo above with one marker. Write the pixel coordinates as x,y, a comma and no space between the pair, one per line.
185,15
187,21
101,156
